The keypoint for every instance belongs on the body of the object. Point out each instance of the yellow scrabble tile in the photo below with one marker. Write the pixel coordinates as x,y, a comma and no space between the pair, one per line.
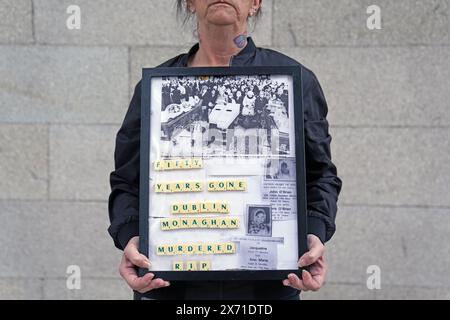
165,224
202,207
189,249
178,266
207,206
204,222
197,186
176,186
184,223
175,208
170,250
221,186
189,222
212,186
157,165
231,185
208,248
194,207
204,265
195,223
161,250
214,223
222,207
185,164
196,163
241,185
166,164
184,208
191,265
222,223
233,223
187,186
218,248
160,187
175,223
198,248
230,247
178,249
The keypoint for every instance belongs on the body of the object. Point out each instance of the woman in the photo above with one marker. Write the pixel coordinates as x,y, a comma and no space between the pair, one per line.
222,30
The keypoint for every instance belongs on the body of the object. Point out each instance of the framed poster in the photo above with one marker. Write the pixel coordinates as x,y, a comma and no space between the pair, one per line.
222,176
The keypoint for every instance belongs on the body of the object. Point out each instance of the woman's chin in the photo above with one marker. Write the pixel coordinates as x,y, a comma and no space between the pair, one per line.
222,18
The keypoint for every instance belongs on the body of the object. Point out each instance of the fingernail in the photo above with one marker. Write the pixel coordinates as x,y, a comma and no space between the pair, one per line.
301,263
167,283
286,283
290,275
149,265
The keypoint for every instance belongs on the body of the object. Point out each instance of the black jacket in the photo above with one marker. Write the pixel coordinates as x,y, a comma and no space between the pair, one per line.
323,185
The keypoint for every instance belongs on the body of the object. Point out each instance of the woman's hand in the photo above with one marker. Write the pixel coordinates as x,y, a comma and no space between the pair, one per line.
132,259
315,258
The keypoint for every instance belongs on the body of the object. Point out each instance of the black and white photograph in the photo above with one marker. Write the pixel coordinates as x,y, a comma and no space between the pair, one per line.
259,220
225,115
280,169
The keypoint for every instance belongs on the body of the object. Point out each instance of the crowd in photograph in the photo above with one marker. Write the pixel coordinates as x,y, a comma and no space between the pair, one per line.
254,94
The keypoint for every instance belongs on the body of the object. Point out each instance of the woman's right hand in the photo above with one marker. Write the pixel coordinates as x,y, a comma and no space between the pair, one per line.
132,259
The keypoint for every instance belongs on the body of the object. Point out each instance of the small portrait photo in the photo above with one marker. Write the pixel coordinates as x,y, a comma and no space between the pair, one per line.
259,220
280,169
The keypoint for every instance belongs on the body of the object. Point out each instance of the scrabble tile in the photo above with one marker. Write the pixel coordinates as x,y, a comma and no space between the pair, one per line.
233,223
218,248
184,208
165,224
230,247
223,207
196,163
185,223
194,207
198,248
204,265
170,250
191,266
175,208
195,223
222,223
176,187
161,250
160,187
212,186
214,223
167,165
231,185
241,185
197,186
189,249
221,186
208,249
202,207
157,165
179,249
178,266
204,223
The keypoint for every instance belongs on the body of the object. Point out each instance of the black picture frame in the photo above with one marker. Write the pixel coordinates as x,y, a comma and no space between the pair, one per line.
144,188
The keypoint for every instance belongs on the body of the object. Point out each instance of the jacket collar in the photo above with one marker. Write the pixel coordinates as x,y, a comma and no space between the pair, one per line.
240,59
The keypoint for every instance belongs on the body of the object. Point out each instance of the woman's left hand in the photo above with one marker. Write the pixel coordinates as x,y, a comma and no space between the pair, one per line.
315,258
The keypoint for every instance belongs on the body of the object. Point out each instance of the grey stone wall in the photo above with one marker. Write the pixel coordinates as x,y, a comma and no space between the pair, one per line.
63,94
